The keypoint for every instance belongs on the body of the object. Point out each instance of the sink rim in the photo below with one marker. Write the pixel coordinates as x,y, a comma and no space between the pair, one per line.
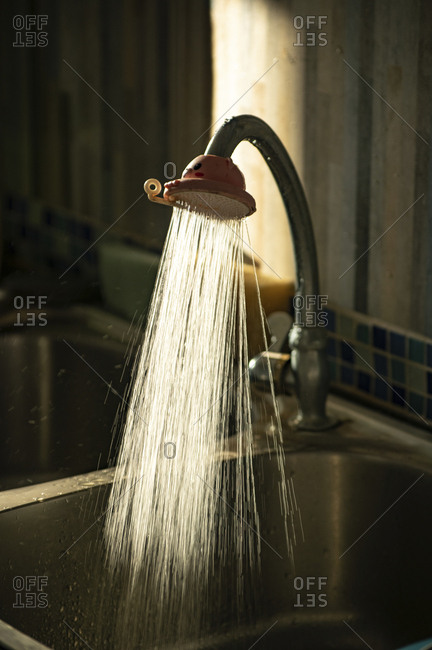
374,439
361,433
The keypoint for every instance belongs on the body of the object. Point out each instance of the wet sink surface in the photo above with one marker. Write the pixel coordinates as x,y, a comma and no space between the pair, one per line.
363,569
56,406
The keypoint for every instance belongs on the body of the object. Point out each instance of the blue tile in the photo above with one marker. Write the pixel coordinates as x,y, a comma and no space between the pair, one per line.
363,381
429,383
379,337
380,364
347,375
417,377
429,355
331,320
429,409
416,402
331,347
381,389
362,333
397,344
416,350
398,371
333,370
398,395
347,353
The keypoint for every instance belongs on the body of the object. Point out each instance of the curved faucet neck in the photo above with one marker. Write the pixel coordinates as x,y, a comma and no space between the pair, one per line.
308,344
260,135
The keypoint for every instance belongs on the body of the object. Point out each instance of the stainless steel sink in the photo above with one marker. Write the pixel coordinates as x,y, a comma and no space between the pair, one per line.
361,578
56,406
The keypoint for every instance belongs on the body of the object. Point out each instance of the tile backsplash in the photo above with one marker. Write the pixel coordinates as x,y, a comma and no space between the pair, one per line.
381,364
37,236
41,237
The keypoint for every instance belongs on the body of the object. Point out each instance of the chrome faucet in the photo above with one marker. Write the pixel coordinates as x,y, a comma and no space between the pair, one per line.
308,344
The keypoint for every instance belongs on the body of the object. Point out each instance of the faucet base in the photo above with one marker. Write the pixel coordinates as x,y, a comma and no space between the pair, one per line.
301,423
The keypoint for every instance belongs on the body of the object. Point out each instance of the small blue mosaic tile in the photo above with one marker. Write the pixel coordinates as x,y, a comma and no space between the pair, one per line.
363,333
36,234
347,375
347,353
333,370
416,377
363,381
429,383
398,395
381,389
331,320
398,371
416,350
39,236
380,364
397,344
417,402
379,337
331,346
402,363
429,355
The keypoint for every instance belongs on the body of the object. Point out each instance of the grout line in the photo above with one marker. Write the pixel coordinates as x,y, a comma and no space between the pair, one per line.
387,353
389,385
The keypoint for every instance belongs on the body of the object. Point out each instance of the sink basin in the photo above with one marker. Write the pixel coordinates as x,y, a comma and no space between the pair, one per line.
56,409
360,578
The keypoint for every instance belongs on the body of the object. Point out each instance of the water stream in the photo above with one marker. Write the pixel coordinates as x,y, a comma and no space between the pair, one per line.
176,514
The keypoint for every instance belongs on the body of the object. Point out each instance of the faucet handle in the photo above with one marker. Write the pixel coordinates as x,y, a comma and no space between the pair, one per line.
311,377
279,323
259,373
276,357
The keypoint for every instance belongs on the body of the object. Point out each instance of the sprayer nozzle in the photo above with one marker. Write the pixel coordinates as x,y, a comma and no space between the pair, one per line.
211,185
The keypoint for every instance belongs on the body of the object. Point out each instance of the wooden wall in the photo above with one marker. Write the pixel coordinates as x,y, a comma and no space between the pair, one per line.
122,87
355,115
